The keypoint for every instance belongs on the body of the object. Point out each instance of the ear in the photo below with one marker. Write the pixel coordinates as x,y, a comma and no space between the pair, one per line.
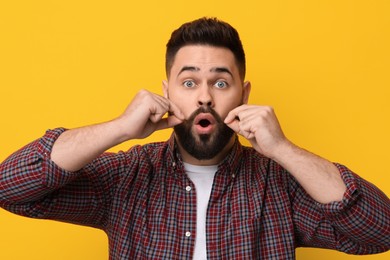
245,92
165,88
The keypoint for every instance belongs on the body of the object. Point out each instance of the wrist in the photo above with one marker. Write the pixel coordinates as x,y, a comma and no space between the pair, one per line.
283,150
119,128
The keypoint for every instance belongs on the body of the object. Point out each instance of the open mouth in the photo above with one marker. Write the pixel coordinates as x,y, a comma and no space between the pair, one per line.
204,119
204,123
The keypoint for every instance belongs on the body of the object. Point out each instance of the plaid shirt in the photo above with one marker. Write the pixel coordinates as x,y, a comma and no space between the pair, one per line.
146,204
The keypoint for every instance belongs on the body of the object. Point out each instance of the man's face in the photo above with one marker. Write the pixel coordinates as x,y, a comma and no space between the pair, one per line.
204,82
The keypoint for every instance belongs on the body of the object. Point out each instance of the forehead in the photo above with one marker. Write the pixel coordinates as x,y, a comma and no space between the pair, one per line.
203,57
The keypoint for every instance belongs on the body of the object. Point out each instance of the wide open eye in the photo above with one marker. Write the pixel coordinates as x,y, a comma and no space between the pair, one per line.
221,84
189,84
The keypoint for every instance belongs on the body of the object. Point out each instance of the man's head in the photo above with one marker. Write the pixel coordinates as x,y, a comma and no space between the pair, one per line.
206,31
206,69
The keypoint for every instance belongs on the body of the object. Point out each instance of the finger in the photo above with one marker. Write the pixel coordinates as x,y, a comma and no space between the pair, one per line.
161,103
242,112
170,107
246,130
249,112
156,116
250,121
234,125
159,109
175,110
246,119
168,122
233,115
248,135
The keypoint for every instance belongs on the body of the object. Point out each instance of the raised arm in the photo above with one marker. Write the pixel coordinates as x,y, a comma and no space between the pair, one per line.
41,179
76,148
319,177
344,212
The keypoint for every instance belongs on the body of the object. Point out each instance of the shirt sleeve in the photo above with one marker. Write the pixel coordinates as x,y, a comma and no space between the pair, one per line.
358,224
32,185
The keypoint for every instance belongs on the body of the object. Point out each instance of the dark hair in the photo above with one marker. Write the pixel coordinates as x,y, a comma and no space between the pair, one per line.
206,31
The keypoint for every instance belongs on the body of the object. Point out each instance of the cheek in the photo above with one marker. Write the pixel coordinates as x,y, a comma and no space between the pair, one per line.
184,104
228,104
223,114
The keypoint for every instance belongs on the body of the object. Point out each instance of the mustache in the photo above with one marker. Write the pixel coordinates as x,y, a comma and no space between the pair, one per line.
200,110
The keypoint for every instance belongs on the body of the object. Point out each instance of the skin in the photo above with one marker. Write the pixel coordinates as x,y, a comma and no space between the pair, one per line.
203,76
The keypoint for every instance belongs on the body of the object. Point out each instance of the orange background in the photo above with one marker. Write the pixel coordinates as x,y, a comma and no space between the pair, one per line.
323,65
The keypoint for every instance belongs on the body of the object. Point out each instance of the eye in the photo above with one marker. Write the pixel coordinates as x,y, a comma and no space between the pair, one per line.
189,84
220,84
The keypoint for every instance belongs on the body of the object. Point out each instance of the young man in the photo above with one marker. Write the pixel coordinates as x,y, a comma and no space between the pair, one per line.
200,194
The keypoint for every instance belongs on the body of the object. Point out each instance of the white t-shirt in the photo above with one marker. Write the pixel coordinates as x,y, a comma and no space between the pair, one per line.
203,178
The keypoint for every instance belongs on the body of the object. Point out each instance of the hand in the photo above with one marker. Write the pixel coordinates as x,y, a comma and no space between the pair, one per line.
77,147
145,114
319,177
260,126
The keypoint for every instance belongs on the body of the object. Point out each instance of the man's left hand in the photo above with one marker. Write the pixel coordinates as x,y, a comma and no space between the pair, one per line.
260,126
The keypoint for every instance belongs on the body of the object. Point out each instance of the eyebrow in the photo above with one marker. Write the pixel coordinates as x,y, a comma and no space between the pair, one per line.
216,69
188,68
222,70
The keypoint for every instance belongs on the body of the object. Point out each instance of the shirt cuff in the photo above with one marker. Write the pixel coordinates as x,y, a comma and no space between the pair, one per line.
336,209
53,175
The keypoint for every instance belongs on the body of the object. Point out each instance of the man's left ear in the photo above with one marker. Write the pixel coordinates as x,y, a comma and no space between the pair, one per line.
245,92
165,88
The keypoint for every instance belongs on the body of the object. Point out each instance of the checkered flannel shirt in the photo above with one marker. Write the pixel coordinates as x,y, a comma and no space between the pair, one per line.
142,200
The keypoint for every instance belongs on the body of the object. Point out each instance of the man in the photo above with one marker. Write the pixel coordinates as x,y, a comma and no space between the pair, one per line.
200,194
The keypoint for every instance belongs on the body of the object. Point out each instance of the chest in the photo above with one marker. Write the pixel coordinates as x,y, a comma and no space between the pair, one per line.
247,216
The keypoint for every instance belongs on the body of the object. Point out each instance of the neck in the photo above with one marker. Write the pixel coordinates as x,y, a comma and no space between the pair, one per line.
188,158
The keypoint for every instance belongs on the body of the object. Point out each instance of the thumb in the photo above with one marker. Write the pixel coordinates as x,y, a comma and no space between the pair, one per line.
232,121
234,125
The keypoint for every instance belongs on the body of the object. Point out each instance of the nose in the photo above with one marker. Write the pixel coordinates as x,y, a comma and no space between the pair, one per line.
205,97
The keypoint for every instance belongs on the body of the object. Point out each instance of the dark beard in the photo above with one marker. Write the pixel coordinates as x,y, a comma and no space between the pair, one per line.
203,146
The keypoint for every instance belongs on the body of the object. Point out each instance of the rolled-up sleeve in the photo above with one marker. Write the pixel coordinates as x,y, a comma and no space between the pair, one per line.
362,218
32,185
358,224
29,174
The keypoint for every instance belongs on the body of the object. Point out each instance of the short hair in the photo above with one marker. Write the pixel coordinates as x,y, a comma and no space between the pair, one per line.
206,31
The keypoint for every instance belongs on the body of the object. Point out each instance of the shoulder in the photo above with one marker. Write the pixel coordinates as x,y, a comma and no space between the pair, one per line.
263,168
251,157
147,154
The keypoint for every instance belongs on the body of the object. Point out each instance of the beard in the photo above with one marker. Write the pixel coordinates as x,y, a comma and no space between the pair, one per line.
203,146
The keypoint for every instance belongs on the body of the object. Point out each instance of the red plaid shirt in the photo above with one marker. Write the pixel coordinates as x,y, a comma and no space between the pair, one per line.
141,199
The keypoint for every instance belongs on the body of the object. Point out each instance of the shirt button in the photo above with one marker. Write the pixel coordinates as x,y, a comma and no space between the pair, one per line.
188,188
173,164
188,234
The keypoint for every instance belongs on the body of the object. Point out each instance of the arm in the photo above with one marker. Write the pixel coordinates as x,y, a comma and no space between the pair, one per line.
319,177
342,211
41,179
76,148
358,224
32,185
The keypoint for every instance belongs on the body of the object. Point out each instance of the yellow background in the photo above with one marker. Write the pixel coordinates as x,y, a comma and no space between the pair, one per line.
323,65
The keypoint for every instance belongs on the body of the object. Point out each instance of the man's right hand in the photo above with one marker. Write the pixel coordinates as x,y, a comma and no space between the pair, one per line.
145,114
77,147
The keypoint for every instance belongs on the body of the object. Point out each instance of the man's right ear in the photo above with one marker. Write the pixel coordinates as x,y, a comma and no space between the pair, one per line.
165,88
